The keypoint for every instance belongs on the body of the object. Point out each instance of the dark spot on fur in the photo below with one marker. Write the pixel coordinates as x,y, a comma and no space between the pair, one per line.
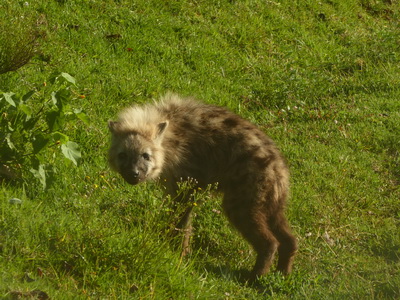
175,143
212,115
259,134
187,119
263,161
230,122
238,183
254,149
246,156
203,121
178,134
249,128
235,139
187,125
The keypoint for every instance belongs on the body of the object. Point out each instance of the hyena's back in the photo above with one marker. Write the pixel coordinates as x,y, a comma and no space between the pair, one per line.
212,144
218,145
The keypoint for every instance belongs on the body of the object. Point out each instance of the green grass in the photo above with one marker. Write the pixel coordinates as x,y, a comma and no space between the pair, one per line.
320,77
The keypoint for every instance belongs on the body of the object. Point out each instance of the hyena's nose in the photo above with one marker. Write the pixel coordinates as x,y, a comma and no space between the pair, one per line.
135,173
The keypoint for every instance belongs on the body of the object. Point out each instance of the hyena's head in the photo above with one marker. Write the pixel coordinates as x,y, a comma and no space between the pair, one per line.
136,156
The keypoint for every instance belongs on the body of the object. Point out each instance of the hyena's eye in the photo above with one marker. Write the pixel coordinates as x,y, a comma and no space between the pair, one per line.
122,156
146,156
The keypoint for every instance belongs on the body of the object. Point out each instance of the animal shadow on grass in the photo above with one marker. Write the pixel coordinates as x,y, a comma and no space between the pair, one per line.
261,285
228,273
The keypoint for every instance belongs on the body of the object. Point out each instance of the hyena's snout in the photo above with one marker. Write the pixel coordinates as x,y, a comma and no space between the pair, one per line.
133,175
136,173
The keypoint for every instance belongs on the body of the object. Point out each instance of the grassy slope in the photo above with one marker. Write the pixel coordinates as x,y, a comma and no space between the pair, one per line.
320,77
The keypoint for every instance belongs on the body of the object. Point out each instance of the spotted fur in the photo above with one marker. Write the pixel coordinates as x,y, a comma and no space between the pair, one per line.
179,138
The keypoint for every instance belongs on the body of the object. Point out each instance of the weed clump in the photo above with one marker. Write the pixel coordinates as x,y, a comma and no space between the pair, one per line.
20,37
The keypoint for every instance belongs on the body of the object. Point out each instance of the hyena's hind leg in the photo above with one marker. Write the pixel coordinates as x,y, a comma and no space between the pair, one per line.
251,222
287,242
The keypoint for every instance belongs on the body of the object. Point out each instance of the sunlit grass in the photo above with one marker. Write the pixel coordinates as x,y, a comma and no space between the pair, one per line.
321,78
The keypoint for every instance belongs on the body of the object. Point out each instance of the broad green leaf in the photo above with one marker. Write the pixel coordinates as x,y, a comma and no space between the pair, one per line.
40,174
30,123
61,77
9,99
60,98
27,96
27,110
35,162
71,151
59,137
55,120
39,142
82,116
54,98
68,78
9,142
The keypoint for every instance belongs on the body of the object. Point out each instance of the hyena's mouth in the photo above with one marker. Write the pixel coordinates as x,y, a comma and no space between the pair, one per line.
132,181
132,178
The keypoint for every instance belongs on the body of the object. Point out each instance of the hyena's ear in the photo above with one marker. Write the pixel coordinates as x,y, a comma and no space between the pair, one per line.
112,125
161,128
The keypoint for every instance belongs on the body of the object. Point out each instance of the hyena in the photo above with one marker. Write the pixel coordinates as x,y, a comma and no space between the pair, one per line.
179,138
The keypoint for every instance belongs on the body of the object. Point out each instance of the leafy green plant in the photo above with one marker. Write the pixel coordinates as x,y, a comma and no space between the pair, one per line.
34,124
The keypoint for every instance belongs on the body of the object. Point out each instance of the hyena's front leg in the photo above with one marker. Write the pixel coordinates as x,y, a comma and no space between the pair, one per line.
183,209
185,225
